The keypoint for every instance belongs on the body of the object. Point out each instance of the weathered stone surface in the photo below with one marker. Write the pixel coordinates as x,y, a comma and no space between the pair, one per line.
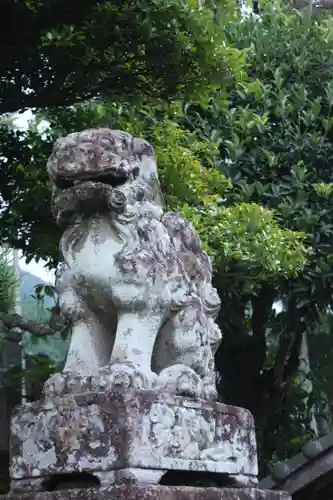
135,283
154,493
131,433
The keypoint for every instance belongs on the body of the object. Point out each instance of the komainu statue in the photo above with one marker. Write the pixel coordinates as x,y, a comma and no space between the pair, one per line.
135,283
135,409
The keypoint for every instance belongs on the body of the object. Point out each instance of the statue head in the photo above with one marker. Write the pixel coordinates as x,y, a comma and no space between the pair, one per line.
100,170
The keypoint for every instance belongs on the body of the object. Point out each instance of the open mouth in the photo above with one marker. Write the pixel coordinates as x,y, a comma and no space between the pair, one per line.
113,179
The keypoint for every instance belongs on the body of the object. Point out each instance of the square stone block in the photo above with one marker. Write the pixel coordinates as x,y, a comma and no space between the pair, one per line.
154,493
137,434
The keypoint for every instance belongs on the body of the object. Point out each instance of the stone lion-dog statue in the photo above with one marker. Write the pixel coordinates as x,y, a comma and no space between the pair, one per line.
134,281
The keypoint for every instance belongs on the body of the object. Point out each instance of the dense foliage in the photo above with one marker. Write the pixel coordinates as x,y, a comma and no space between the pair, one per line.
62,52
274,133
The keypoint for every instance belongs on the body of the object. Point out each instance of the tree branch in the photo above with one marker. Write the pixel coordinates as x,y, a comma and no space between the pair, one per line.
286,341
287,357
15,322
261,311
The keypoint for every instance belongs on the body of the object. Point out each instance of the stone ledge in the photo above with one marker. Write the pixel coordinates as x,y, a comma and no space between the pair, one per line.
140,430
153,493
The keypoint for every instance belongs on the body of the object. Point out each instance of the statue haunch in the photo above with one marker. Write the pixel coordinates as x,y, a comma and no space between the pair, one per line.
135,283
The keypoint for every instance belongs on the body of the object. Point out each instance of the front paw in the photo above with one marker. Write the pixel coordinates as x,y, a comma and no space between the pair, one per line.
69,382
123,376
180,380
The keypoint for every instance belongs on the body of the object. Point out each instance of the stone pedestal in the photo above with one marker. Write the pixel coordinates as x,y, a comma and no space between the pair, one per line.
135,445
130,437
154,493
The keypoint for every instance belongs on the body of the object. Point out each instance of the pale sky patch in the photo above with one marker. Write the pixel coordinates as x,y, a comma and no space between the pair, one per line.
38,269
21,121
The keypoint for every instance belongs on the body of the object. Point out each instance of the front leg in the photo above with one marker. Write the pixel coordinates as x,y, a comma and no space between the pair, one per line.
89,350
90,344
135,340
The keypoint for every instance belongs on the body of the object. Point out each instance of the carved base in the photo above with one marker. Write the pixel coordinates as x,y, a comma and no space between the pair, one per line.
138,435
129,492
